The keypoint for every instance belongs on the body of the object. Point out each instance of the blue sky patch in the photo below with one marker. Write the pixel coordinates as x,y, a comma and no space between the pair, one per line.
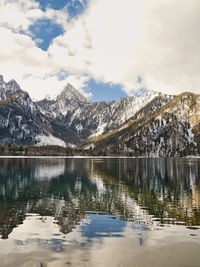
105,91
74,7
44,31
54,4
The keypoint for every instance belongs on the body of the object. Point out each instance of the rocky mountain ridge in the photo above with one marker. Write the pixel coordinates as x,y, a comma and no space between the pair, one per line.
87,118
151,124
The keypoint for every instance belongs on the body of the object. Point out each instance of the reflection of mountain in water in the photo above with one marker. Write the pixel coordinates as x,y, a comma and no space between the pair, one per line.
142,190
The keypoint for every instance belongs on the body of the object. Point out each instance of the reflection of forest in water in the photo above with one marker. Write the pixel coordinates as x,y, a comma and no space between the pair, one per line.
148,191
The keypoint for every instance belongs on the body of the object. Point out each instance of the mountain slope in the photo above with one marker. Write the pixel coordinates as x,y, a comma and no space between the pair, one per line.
21,122
171,130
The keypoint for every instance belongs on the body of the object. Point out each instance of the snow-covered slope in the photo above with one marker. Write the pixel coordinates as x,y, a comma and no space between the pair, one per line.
122,110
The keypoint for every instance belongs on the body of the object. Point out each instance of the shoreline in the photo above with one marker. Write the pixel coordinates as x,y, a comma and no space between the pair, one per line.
103,157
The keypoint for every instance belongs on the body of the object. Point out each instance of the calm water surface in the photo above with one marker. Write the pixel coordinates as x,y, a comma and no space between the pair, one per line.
99,212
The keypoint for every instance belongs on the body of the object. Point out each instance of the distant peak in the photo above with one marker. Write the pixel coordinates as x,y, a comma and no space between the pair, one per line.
68,88
71,93
1,78
69,85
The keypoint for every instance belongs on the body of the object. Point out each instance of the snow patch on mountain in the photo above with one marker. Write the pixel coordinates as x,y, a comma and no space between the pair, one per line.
45,140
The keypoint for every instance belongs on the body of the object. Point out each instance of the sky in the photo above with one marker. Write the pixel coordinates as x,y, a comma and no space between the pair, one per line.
107,49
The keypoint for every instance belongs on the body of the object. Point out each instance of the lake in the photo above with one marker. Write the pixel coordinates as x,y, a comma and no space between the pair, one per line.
99,212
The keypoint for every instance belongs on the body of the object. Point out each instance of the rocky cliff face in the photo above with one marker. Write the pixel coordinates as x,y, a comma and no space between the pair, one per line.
167,130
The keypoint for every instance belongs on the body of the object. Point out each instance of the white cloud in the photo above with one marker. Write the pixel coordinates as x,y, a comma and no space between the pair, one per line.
32,67
20,14
51,86
157,40
112,41
19,53
117,41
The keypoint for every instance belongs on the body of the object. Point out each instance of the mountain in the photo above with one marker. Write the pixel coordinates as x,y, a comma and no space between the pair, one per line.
151,124
71,111
172,129
65,103
69,119
21,121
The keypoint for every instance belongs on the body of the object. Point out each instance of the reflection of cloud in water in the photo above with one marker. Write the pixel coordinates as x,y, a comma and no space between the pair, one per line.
49,169
130,243
44,231
34,227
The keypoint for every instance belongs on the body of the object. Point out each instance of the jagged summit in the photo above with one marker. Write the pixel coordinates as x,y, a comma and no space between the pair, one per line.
71,93
69,100
8,89
12,87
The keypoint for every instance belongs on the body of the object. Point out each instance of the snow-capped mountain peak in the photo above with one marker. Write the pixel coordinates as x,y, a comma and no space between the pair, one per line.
70,93
69,100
